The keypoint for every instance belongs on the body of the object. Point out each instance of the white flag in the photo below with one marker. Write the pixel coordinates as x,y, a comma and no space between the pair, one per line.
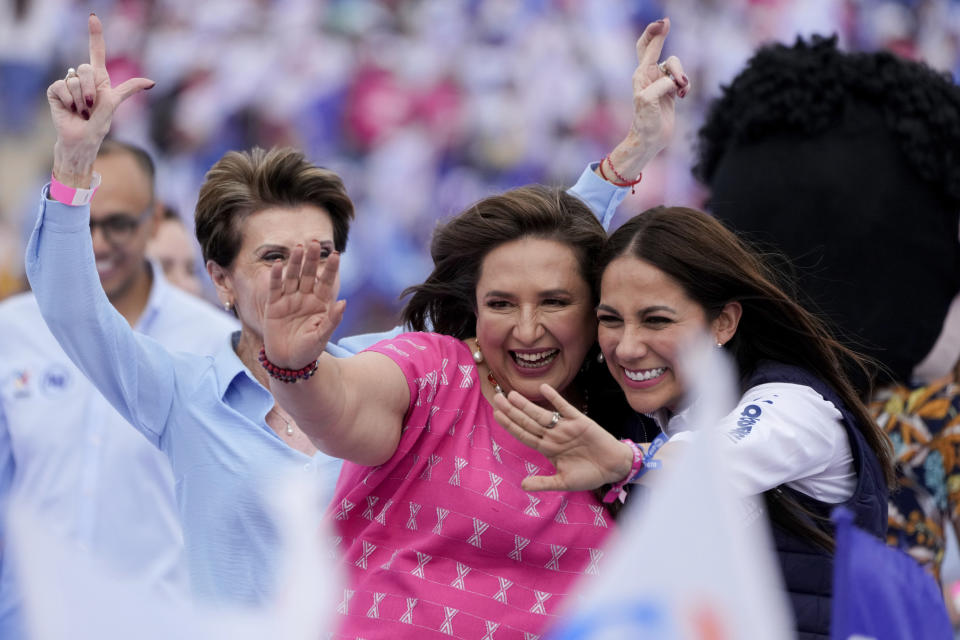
692,561
68,593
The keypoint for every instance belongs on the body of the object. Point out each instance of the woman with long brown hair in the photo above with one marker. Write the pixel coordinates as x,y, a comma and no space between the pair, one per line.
799,435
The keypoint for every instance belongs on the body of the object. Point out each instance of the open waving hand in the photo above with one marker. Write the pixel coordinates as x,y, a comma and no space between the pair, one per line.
82,107
302,310
584,454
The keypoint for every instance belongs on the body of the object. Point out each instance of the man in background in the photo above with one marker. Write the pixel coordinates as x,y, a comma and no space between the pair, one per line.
68,453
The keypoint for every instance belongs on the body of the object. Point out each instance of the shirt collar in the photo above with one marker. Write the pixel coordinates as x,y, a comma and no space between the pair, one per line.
228,365
159,292
671,423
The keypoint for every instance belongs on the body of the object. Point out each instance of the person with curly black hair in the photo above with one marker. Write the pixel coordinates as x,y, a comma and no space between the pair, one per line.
848,164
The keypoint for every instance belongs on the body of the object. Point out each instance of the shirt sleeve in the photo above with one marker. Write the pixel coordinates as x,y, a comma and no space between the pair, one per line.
602,197
133,372
352,345
6,479
780,433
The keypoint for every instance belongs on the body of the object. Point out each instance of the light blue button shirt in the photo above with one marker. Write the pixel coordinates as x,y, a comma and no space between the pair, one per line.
10,626
96,482
207,414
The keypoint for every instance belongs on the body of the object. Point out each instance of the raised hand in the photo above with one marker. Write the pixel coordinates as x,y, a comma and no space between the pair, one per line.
584,454
82,107
302,311
655,90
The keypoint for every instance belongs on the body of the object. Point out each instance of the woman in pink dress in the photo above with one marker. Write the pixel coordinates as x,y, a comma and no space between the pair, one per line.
438,536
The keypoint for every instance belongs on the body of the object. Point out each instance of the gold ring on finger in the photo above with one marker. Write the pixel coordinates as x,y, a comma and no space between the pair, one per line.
71,73
663,69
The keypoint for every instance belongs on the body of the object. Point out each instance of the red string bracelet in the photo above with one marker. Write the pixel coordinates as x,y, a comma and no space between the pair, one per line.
623,181
286,375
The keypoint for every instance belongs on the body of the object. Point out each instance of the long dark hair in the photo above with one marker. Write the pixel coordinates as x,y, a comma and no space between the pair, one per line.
446,302
714,267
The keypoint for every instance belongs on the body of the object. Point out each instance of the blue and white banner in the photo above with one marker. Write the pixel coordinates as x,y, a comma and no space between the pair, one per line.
692,561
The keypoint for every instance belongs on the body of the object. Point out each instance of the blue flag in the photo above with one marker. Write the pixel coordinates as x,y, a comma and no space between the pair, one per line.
881,593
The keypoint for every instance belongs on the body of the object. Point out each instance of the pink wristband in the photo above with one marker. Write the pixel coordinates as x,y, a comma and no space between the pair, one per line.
74,197
617,490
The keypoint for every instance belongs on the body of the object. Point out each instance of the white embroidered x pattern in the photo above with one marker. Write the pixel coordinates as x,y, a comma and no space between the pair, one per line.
371,503
561,516
458,466
501,595
382,518
519,544
556,552
422,560
447,626
441,514
374,610
598,519
479,526
344,606
542,597
412,522
345,507
462,571
466,375
531,509
407,617
491,627
432,461
593,568
368,548
493,492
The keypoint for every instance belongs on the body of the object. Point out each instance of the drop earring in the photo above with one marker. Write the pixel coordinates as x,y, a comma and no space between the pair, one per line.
600,357
227,306
477,355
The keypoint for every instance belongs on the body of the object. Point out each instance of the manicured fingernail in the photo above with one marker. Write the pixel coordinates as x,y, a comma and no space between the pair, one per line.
85,114
684,78
73,107
89,101
660,21
150,87
682,93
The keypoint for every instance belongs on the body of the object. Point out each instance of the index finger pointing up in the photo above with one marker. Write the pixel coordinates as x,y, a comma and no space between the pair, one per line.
650,44
98,49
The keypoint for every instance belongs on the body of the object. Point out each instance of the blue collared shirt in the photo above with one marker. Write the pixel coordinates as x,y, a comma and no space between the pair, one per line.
206,413
68,454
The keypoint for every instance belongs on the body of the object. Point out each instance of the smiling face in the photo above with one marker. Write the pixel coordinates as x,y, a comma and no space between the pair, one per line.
122,217
535,320
267,236
645,319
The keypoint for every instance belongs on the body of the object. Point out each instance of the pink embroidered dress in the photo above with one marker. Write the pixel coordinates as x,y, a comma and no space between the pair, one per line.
440,541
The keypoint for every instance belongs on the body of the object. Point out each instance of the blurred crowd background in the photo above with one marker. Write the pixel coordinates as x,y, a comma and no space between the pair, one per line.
423,106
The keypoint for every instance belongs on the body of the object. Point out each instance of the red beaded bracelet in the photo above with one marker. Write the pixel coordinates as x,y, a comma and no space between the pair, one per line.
617,491
623,181
286,375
